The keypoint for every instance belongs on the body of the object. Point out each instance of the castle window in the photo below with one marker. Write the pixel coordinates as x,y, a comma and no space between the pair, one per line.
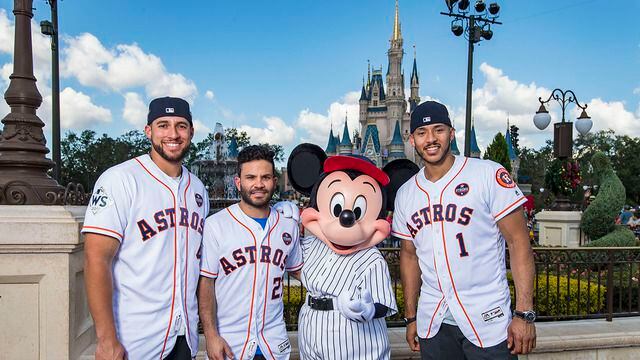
375,102
375,93
394,93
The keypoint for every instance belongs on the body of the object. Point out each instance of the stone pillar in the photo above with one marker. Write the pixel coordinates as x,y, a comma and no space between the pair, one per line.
559,228
43,303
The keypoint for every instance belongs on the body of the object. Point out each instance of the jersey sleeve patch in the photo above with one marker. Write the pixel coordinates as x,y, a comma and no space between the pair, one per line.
504,179
100,200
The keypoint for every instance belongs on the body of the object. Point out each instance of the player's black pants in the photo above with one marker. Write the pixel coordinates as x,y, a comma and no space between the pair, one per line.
180,351
449,343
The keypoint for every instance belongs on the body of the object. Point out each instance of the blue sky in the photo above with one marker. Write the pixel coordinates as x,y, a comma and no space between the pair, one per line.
285,70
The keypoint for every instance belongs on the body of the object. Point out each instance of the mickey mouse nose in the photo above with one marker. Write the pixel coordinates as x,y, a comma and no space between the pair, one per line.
347,218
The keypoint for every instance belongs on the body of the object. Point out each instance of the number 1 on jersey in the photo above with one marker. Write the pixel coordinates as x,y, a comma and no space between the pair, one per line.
463,249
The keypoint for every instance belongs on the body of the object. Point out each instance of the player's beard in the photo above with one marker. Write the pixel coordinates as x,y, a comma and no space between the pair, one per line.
264,203
442,158
176,158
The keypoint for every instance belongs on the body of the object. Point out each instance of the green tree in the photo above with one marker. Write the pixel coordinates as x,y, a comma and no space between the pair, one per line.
497,151
242,138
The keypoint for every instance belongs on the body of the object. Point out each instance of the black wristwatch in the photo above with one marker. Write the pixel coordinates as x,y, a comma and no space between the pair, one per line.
527,315
408,321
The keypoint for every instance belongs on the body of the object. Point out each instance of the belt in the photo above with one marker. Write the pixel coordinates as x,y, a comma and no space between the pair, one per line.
320,303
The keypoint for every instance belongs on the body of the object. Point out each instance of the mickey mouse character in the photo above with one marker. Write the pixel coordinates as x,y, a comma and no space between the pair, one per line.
348,285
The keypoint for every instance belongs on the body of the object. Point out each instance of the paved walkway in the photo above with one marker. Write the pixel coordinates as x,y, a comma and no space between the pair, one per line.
583,339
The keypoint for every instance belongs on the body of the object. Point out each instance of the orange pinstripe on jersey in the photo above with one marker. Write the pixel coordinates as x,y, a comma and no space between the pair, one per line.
253,286
186,260
266,288
453,284
175,259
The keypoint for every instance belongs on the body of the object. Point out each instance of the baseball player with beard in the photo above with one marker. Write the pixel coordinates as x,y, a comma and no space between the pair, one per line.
143,228
246,250
455,216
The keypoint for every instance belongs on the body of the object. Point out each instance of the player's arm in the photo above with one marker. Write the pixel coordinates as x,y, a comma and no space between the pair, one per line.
410,277
99,251
522,335
217,347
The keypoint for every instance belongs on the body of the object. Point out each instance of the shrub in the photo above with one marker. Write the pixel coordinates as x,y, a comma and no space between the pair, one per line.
599,217
621,236
550,304
566,303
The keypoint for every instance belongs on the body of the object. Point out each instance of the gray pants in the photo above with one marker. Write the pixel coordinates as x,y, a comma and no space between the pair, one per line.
450,343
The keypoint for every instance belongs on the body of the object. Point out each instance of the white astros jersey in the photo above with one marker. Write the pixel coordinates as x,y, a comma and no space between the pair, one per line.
159,222
327,334
249,264
453,225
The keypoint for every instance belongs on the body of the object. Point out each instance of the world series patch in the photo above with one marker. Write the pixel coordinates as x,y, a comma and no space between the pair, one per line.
462,189
286,237
504,179
100,200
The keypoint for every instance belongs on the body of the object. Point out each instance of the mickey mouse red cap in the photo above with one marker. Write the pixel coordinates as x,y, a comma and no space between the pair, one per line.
353,162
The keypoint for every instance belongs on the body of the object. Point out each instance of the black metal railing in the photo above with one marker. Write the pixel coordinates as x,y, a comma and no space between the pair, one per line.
579,283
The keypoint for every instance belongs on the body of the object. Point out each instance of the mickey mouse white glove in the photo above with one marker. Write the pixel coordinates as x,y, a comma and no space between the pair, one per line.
288,209
360,309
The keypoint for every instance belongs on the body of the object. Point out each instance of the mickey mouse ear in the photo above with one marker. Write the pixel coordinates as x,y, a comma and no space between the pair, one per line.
305,166
399,172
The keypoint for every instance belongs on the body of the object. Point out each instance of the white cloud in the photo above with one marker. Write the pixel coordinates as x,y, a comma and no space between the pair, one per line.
135,110
200,129
6,33
120,68
78,112
209,95
275,132
317,126
611,115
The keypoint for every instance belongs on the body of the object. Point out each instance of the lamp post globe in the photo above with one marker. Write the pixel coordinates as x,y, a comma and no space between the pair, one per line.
542,119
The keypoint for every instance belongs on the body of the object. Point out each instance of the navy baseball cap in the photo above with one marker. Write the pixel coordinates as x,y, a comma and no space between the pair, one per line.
429,113
168,106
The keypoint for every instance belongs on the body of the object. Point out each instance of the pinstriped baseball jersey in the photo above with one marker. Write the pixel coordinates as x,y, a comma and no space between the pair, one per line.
249,263
453,225
328,334
159,223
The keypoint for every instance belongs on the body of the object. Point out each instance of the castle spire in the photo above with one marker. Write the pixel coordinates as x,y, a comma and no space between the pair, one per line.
397,33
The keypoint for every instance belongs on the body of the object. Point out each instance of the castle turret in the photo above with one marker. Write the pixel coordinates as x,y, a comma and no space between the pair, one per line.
414,99
332,144
475,150
345,147
396,147
396,103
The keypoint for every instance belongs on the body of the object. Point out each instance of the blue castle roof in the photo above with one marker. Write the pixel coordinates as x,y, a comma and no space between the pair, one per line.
454,146
397,137
474,142
331,145
371,133
233,148
512,152
346,140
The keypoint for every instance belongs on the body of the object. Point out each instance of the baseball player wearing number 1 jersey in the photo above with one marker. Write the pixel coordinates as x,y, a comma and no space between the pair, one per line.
143,229
455,216
246,250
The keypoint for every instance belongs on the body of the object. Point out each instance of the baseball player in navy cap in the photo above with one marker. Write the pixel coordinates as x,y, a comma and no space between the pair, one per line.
143,228
454,214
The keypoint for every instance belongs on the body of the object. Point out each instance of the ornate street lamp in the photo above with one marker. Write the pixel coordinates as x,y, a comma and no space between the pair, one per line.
476,26
50,28
23,165
562,131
